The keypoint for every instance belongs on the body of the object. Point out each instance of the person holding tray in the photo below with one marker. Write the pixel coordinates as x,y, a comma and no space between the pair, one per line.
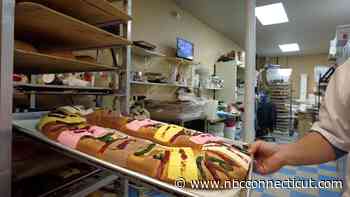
328,140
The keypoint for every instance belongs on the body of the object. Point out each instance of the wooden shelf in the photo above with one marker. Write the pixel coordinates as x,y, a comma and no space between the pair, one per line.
61,89
181,61
146,53
157,84
59,31
95,12
37,63
70,93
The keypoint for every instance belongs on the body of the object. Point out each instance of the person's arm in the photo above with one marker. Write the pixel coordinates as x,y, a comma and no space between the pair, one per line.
312,149
331,136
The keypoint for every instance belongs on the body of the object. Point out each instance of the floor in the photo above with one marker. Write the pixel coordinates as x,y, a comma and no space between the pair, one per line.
316,172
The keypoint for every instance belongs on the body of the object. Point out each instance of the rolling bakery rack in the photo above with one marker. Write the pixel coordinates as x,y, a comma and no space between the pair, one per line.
57,24
281,97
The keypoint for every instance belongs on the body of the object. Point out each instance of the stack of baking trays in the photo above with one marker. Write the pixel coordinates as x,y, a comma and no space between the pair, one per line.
281,98
157,153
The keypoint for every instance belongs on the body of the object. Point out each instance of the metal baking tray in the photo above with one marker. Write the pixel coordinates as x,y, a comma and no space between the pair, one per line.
26,123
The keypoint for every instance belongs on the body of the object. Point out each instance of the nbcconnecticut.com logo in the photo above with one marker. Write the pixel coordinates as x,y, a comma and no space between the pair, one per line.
256,184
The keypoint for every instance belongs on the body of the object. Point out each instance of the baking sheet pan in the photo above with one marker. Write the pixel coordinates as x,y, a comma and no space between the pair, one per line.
26,123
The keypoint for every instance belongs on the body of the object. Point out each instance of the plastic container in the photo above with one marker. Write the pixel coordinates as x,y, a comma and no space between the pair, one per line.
217,129
211,107
230,132
230,129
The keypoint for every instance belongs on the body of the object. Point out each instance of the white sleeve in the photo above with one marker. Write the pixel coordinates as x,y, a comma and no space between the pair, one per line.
334,115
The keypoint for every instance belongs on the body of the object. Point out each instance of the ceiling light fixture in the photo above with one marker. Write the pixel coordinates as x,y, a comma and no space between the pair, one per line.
271,14
293,47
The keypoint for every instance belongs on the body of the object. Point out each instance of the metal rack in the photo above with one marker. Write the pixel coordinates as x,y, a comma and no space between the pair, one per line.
81,35
147,55
281,97
82,32
83,186
322,84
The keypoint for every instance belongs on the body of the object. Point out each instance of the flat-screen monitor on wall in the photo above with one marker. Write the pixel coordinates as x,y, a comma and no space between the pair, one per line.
184,49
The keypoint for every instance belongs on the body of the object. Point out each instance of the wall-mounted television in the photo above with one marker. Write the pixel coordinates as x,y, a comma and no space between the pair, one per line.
185,49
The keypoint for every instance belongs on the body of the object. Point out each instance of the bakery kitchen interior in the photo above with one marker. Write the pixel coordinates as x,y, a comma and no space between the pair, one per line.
157,98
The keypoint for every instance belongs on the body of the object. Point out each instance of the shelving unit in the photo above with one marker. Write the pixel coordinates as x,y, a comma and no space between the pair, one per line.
180,61
322,85
146,53
61,89
94,12
27,62
69,25
281,98
83,188
76,34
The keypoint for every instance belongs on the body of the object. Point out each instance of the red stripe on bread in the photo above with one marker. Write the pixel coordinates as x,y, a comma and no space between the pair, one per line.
163,162
124,144
212,171
176,136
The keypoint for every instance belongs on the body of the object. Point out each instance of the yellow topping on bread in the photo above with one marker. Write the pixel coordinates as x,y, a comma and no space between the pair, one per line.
68,119
182,163
167,132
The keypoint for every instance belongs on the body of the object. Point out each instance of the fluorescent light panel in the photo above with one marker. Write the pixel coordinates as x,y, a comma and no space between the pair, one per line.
271,14
293,47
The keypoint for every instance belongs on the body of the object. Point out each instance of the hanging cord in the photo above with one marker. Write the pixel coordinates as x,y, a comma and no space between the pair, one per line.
114,57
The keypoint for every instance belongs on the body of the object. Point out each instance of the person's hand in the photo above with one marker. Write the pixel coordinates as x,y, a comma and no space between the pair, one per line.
269,157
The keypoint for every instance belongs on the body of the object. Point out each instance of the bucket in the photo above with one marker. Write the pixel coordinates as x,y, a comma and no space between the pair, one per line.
217,129
230,132
211,108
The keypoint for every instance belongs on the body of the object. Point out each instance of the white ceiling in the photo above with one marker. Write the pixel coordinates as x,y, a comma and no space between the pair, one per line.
312,23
